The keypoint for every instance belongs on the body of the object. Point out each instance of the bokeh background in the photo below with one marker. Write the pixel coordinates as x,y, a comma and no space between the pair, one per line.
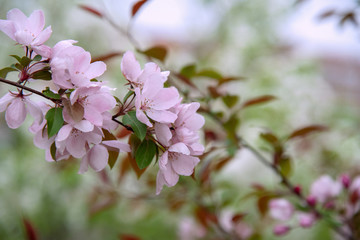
292,50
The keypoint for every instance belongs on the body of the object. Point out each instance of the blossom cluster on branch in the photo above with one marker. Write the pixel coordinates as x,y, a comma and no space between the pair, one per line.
83,113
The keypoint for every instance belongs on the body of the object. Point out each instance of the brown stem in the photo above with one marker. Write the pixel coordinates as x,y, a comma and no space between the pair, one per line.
30,90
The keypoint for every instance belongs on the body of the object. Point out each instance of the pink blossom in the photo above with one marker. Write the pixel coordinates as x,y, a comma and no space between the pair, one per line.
17,106
27,31
132,71
97,156
74,138
189,230
306,220
325,188
240,228
345,180
355,186
71,65
94,101
154,102
280,230
281,209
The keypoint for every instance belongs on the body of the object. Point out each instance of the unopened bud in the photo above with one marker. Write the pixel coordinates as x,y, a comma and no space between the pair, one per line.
311,201
280,230
345,180
297,189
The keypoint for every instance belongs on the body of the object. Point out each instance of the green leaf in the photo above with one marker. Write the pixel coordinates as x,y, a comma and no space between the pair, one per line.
4,72
47,92
188,71
43,75
53,151
129,94
25,61
230,100
37,58
54,120
157,52
138,127
16,57
145,153
285,166
210,74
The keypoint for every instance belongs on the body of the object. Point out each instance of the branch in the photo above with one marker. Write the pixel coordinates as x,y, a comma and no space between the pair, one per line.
30,90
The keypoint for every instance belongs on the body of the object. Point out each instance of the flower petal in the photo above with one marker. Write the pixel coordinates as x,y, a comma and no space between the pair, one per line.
179,148
98,157
16,113
183,164
117,145
130,68
163,133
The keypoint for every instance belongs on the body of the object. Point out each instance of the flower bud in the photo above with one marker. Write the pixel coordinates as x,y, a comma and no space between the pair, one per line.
280,230
311,201
345,180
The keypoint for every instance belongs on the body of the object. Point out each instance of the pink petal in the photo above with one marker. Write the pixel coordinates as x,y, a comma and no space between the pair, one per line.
35,111
8,28
163,133
163,161
92,115
64,132
152,86
140,115
18,17
117,145
166,98
84,164
36,22
42,37
161,116
179,148
183,164
84,126
160,181
5,101
170,176
98,157
130,67
95,69
102,101
76,145
24,38
16,113
195,122
43,50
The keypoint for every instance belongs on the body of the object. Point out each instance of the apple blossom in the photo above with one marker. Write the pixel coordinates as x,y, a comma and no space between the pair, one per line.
281,209
325,188
27,31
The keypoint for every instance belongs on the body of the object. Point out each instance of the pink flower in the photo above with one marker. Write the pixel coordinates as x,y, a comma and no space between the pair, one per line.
281,209
240,228
17,106
280,230
189,230
74,138
132,71
97,156
325,188
94,101
71,65
154,102
306,220
355,186
27,31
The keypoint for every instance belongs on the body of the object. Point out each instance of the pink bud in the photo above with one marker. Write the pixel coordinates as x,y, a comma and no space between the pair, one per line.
297,189
281,209
306,220
311,200
280,230
345,180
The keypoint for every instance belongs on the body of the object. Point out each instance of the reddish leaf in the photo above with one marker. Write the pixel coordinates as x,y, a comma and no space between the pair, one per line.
326,14
128,237
205,217
91,10
258,100
238,217
349,17
125,168
219,165
30,230
185,80
270,138
157,52
107,57
263,204
214,92
134,165
136,7
229,79
123,133
302,132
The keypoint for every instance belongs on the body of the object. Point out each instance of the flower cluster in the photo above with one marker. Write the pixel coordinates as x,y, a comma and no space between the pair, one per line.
326,194
79,120
176,124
